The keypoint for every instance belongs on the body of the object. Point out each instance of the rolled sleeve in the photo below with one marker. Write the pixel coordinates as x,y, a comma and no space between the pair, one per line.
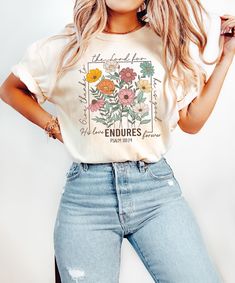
186,100
211,52
32,71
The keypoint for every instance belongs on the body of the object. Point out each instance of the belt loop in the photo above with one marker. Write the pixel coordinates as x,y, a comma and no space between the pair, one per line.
141,165
84,166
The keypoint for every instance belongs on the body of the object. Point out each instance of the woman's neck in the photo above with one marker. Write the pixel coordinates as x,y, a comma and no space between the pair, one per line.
122,22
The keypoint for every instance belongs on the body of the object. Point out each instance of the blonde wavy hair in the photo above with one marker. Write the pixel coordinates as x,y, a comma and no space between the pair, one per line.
177,22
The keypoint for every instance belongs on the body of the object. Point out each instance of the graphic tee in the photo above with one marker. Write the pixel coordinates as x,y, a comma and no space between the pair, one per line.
109,104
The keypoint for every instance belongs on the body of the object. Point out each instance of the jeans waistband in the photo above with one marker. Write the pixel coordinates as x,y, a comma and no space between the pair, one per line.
142,165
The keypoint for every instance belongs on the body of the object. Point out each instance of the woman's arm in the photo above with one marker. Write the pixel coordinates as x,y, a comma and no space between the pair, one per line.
14,92
194,116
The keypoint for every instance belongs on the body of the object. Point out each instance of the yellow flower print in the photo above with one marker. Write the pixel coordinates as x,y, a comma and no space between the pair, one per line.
93,75
144,85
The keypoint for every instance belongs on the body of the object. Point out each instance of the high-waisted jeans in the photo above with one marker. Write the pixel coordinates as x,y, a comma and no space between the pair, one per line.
143,202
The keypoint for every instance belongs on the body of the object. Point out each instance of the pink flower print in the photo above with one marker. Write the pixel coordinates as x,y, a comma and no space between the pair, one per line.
127,74
96,104
126,96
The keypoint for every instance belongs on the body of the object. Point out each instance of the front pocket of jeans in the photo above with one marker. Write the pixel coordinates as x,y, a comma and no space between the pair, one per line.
74,171
161,173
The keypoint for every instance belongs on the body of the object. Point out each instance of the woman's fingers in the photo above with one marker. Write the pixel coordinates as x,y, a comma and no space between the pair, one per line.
227,28
228,25
229,22
226,16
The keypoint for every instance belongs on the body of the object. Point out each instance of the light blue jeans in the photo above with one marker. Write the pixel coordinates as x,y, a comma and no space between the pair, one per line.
105,202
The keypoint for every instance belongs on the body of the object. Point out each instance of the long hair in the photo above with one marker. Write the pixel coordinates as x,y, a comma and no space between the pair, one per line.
177,22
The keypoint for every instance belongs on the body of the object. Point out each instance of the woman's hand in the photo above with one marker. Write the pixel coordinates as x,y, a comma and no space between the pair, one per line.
59,137
57,134
228,31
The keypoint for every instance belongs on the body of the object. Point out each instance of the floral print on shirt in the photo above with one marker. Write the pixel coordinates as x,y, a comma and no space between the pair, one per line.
119,93
120,97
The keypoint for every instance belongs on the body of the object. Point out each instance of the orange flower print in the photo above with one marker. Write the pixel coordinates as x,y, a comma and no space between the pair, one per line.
93,75
96,104
106,86
126,96
127,74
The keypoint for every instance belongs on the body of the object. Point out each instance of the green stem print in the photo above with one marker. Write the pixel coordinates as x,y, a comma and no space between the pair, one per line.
120,121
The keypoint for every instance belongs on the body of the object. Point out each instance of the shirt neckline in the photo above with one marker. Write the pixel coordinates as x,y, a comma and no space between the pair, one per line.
118,37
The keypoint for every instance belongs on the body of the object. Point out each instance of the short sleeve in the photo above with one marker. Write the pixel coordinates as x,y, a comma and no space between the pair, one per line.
32,71
213,28
181,103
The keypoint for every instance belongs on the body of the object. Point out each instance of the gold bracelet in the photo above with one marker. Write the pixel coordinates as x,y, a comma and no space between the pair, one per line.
51,125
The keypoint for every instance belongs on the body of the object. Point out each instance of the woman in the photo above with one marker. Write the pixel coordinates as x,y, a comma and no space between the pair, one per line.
124,80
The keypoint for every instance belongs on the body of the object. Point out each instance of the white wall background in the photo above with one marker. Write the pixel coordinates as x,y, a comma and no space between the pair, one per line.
32,168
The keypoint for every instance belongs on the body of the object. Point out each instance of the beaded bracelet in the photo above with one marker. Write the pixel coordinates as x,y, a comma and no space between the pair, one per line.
52,124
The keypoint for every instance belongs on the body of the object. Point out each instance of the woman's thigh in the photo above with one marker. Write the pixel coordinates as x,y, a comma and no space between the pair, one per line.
87,232
142,202
171,246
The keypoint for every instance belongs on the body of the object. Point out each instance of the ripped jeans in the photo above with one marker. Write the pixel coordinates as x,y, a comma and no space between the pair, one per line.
103,203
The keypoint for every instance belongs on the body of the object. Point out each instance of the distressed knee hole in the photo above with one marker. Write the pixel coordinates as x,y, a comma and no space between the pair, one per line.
171,182
76,274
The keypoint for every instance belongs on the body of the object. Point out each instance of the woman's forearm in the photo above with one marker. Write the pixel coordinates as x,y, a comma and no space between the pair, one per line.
201,107
27,106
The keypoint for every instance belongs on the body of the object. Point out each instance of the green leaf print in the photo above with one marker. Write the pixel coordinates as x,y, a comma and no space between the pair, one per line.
97,95
116,108
107,106
116,117
125,109
93,90
145,114
131,121
132,114
112,77
105,112
140,96
145,121
99,119
121,84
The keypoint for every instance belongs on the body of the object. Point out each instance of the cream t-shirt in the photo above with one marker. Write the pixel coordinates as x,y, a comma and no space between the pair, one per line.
108,105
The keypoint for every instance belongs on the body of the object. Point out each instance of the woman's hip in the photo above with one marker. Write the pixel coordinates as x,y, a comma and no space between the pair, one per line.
130,186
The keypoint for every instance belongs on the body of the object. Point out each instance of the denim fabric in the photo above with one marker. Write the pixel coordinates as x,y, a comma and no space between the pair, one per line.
143,202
